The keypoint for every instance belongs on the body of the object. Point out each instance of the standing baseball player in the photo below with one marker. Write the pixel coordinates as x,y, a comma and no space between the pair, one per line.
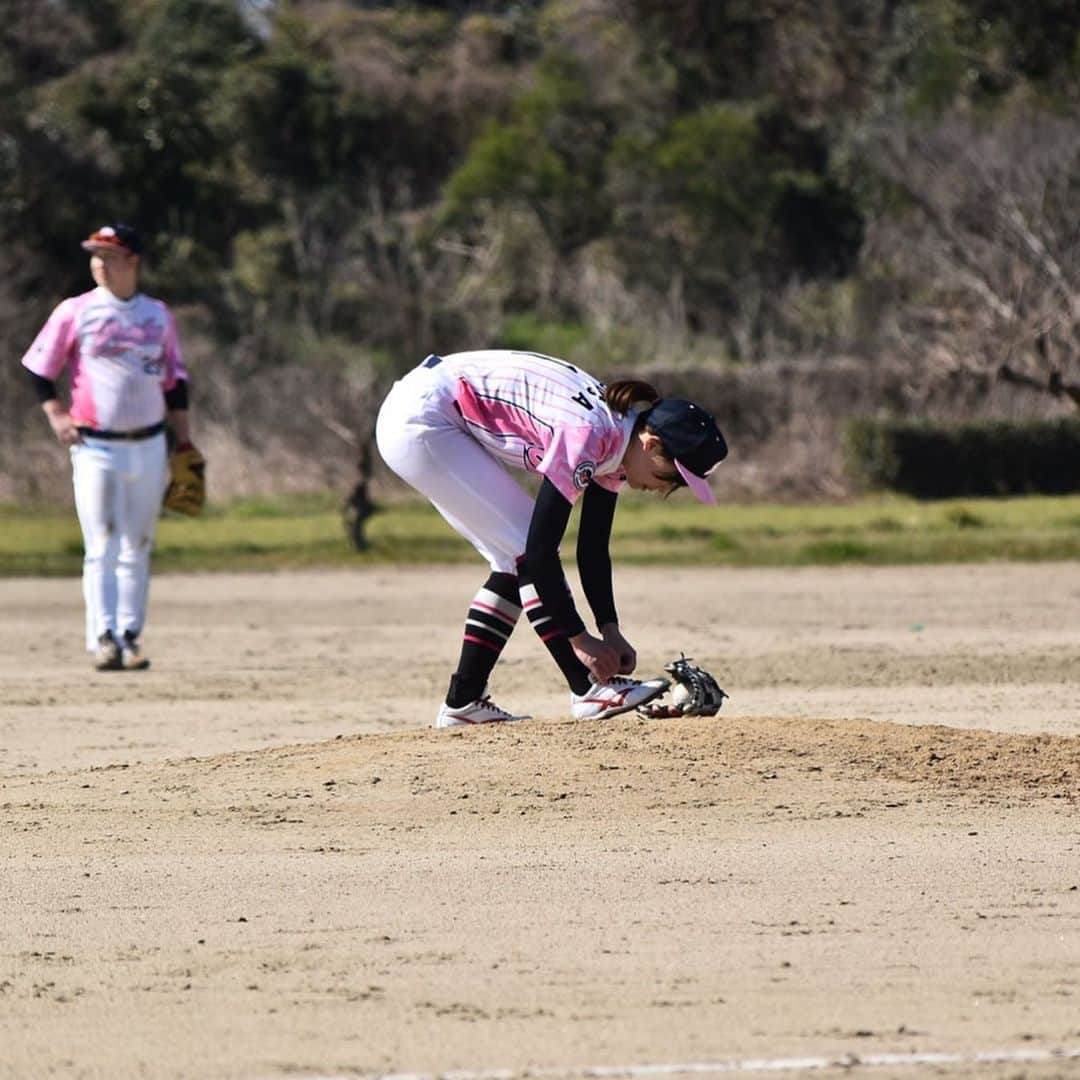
448,428
121,352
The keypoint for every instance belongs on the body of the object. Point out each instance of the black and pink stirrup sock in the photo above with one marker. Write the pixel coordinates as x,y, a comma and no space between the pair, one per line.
493,614
554,638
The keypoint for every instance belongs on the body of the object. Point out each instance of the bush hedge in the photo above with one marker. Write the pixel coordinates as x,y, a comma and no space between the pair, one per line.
931,461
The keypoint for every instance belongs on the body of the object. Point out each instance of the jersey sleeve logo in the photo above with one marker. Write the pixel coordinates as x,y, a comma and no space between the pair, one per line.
583,474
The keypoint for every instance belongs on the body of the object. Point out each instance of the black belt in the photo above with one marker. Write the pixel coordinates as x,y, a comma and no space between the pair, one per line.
125,436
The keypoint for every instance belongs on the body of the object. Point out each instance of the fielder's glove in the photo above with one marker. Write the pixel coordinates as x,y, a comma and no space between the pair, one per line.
186,493
694,692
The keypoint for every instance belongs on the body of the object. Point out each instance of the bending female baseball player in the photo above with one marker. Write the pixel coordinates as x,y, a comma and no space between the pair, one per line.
449,426
121,351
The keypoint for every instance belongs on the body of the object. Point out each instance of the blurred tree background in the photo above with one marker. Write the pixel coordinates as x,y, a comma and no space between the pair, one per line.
792,209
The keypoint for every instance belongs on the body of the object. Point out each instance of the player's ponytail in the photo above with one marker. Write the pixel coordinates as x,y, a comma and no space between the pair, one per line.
627,395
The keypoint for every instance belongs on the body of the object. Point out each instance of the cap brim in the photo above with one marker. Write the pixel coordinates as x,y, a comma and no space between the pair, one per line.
98,245
697,484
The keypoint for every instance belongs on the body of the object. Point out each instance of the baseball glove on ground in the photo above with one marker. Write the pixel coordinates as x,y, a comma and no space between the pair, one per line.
694,692
186,493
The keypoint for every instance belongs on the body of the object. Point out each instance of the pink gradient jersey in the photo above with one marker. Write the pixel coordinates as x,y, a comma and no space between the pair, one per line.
541,414
122,355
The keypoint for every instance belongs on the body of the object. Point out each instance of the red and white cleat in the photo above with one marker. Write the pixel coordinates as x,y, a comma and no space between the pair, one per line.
617,695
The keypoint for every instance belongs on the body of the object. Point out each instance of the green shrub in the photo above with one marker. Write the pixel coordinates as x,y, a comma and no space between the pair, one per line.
526,330
989,458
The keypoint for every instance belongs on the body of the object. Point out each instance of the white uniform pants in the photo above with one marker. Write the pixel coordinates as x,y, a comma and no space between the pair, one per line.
421,437
118,490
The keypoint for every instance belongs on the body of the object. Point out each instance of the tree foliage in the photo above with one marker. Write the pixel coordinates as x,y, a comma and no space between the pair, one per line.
326,178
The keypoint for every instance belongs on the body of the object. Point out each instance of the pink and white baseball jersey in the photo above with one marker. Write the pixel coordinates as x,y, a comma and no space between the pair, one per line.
122,356
541,414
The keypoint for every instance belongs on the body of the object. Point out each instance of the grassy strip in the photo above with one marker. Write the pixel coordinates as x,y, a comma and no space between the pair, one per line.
273,534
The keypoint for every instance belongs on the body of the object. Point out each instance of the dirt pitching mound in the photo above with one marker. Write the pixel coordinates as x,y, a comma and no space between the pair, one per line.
620,767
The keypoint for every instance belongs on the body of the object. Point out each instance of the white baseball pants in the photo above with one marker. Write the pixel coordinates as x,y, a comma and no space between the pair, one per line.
421,437
118,490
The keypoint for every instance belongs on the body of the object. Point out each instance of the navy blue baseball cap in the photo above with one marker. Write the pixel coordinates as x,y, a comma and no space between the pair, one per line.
114,238
691,439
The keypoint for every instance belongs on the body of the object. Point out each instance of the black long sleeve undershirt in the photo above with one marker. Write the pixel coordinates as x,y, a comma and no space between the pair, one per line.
551,514
177,397
594,552
44,388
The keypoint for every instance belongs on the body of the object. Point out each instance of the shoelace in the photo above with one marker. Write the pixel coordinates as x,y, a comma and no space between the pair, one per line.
616,682
491,705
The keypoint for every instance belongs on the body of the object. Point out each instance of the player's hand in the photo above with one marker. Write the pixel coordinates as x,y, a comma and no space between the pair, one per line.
599,657
627,652
64,428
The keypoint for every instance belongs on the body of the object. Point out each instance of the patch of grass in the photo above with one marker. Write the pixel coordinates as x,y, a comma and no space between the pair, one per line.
963,518
874,530
829,552
286,532
687,532
723,542
770,531
885,524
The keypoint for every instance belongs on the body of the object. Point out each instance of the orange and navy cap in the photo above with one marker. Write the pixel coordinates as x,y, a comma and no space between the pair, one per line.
114,238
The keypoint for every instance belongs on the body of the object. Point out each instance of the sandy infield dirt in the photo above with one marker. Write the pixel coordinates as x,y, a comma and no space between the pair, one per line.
256,860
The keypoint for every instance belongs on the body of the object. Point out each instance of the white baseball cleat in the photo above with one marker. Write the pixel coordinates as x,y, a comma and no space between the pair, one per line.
481,711
107,655
618,695
134,657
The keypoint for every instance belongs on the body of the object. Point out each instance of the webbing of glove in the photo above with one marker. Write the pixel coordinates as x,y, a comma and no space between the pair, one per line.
695,693
186,493
702,695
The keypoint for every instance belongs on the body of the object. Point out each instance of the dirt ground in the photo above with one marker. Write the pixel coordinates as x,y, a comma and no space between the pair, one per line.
256,860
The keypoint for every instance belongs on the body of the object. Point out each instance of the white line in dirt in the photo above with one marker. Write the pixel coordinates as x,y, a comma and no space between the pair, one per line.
720,1068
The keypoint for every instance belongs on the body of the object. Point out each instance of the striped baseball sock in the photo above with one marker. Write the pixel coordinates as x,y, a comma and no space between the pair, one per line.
554,638
492,616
